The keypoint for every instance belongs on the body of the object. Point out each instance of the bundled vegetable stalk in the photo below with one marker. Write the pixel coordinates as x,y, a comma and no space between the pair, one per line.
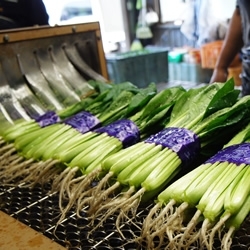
11,114
105,105
115,100
94,103
212,199
19,117
201,118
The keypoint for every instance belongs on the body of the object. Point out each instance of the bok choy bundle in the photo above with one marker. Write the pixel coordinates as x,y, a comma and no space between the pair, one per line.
48,131
83,121
212,200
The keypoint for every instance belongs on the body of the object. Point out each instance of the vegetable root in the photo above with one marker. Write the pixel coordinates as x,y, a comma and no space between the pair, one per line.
102,219
205,233
57,181
167,238
45,172
171,238
165,223
76,190
154,217
187,237
15,159
131,205
6,148
18,171
12,161
150,219
97,201
29,171
102,184
120,218
5,157
62,194
191,244
227,239
216,228
83,202
2,141
111,207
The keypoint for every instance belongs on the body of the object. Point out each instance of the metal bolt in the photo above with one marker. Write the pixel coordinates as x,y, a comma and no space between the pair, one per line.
74,29
6,38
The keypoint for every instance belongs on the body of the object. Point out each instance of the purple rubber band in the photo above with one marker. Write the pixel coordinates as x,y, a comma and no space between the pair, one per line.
124,130
181,140
83,121
48,118
237,154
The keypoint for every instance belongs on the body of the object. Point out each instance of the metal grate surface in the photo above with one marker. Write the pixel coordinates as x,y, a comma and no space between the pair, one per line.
35,208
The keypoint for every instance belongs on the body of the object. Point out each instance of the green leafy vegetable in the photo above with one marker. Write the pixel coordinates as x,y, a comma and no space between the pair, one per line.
217,192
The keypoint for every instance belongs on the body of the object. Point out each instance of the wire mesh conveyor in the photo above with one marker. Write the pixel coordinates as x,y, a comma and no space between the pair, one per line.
39,210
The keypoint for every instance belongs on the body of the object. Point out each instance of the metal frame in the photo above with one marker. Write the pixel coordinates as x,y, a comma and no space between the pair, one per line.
41,32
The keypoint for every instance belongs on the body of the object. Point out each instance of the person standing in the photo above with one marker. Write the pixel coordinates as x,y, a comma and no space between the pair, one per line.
237,40
22,13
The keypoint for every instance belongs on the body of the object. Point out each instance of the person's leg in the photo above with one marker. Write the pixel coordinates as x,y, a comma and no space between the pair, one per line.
245,84
245,75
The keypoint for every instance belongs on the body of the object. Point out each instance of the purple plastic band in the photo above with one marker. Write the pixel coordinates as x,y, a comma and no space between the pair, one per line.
237,154
182,141
48,118
83,121
124,130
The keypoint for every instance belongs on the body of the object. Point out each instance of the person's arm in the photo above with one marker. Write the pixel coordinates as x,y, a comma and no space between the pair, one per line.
231,46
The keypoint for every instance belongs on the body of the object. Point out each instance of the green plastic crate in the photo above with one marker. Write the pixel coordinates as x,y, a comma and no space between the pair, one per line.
140,67
189,72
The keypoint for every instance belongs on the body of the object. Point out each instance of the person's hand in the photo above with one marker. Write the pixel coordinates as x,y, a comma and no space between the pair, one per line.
219,75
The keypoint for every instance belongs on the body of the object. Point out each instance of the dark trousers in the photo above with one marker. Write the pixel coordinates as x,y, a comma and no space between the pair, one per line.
245,75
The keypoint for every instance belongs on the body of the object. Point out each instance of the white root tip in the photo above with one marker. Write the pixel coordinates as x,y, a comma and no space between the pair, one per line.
188,232
216,228
98,200
227,239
